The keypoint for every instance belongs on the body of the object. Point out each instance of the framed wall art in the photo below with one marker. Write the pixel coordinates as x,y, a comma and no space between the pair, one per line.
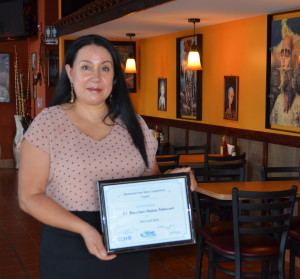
283,72
231,93
189,83
4,78
162,94
125,49
52,67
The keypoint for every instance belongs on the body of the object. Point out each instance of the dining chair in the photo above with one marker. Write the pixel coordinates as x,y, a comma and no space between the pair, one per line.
222,169
280,173
216,169
167,162
294,251
207,228
191,149
283,173
260,234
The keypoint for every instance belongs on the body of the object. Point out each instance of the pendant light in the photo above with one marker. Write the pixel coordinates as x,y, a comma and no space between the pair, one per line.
130,62
194,62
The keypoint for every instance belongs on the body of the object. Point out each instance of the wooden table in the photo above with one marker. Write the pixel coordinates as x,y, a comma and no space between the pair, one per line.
193,160
222,190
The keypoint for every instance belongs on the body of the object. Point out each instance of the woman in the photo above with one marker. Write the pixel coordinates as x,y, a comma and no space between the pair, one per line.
90,133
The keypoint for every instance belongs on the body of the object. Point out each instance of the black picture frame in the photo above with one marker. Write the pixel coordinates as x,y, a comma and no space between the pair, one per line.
148,212
231,97
53,72
126,49
5,78
188,83
283,72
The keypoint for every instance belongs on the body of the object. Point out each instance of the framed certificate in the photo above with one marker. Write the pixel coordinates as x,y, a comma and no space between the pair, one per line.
146,212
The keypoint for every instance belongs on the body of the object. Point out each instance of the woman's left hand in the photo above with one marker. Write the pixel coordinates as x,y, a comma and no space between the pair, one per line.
193,185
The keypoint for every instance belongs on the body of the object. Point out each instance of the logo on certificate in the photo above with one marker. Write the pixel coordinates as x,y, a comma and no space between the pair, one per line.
148,234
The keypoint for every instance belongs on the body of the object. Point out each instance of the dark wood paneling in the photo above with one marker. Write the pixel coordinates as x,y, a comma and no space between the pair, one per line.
293,141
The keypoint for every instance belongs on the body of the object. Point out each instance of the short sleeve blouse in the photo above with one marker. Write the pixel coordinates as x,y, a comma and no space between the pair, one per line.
78,161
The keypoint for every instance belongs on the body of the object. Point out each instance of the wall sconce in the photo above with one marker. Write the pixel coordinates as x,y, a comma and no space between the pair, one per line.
194,62
130,62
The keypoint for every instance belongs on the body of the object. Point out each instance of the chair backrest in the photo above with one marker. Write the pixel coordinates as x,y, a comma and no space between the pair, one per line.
280,173
222,169
252,215
167,162
195,149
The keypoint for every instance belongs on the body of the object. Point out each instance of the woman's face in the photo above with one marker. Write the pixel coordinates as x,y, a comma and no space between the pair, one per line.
230,96
162,89
92,75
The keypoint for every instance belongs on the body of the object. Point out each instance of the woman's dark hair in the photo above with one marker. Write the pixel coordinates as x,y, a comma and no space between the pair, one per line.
119,103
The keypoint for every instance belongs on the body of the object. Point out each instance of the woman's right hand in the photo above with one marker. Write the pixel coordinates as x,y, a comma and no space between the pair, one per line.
94,243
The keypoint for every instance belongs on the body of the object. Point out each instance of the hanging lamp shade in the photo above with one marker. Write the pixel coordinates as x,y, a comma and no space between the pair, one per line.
130,67
194,61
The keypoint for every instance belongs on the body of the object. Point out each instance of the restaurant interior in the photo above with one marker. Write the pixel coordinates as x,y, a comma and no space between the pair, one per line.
240,48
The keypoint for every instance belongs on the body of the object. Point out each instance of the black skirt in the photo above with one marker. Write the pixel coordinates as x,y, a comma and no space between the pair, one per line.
63,255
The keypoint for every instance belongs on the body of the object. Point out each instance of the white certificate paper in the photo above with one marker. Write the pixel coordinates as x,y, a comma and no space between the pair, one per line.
146,212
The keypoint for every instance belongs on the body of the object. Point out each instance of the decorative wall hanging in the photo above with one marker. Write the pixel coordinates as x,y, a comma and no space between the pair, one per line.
52,67
4,78
283,72
33,62
231,91
125,49
189,83
162,94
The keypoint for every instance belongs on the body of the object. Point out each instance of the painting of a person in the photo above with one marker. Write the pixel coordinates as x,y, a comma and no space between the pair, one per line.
4,78
231,110
295,108
90,133
283,61
162,94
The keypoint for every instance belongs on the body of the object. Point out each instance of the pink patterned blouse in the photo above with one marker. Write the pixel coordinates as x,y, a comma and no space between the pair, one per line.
78,161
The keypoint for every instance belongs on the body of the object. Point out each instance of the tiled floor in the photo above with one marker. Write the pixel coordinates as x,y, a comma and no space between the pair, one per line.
19,243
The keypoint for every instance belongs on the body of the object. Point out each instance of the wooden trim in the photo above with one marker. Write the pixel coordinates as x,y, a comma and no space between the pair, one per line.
287,140
98,12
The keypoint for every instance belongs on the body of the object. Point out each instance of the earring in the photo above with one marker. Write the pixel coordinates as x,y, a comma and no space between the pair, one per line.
72,100
110,98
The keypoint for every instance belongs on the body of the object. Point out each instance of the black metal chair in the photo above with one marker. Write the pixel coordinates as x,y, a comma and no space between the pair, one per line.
280,173
205,228
194,149
222,169
167,162
286,173
260,234
218,169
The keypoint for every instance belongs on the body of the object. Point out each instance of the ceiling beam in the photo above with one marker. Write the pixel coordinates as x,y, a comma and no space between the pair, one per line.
101,11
